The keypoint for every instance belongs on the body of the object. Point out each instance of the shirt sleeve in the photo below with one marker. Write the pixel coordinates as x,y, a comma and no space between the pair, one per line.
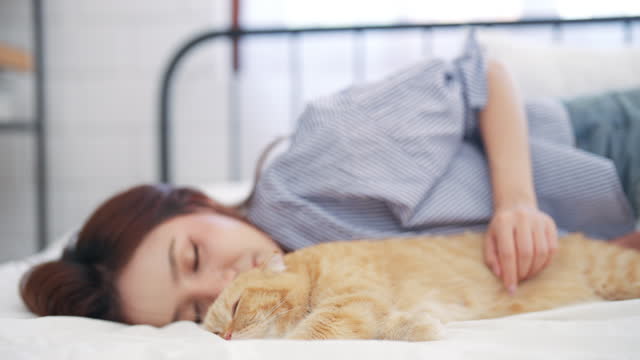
471,67
417,120
388,141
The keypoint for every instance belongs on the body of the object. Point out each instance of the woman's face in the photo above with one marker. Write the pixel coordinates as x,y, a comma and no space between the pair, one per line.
183,264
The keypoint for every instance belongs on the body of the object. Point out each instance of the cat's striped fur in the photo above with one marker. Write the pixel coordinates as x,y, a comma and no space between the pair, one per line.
406,288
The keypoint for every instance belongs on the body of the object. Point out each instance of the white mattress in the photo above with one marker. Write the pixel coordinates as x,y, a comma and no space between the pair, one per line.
607,330
589,331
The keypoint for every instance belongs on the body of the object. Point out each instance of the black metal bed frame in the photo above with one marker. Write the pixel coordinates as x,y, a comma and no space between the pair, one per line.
164,120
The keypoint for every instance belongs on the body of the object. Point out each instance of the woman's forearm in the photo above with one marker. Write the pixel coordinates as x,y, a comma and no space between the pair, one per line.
504,132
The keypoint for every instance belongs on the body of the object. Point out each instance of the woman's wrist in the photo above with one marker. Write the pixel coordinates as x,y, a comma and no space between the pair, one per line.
514,199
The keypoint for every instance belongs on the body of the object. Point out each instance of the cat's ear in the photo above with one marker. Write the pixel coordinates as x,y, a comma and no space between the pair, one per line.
275,263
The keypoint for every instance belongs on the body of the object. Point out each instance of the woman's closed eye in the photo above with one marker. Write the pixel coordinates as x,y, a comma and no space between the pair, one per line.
196,265
196,257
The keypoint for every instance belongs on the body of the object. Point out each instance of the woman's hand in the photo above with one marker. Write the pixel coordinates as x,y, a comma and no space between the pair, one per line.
520,241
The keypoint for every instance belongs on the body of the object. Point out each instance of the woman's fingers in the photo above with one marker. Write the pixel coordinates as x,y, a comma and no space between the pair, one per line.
520,242
552,239
524,249
507,257
491,254
546,243
541,250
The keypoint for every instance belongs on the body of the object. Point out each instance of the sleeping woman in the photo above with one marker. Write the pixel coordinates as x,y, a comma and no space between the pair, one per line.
439,148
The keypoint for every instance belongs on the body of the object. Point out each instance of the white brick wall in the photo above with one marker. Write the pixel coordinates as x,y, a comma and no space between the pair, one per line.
104,60
103,65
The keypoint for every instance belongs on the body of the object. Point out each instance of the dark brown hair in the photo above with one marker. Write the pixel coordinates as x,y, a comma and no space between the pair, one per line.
81,282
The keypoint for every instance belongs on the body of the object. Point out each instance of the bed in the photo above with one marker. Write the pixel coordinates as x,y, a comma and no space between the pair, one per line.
603,330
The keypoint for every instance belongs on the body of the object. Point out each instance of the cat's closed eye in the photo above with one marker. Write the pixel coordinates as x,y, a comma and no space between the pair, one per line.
234,308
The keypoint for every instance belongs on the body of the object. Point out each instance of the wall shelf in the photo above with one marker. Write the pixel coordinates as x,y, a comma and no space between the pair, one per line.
15,59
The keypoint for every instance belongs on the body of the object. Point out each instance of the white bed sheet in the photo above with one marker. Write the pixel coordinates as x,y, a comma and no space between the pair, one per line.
587,331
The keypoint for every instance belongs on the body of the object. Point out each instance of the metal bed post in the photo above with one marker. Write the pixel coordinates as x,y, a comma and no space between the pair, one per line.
627,30
164,125
235,128
40,126
295,76
557,34
427,41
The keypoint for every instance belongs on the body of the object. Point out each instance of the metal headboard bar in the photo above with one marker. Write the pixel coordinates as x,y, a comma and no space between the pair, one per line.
164,123
40,151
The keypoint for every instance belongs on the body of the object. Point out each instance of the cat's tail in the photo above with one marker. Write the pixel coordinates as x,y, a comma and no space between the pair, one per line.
613,271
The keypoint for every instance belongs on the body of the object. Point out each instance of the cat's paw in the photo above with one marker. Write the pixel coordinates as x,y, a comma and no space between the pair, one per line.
413,327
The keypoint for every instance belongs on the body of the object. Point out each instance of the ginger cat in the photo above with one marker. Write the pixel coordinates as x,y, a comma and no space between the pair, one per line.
407,288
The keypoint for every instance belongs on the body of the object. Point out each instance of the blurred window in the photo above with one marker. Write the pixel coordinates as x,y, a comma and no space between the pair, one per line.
261,13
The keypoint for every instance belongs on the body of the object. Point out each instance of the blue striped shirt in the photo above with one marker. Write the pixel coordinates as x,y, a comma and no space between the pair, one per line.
403,156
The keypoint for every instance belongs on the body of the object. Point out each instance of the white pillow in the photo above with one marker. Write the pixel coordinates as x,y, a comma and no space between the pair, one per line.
11,305
228,193
562,70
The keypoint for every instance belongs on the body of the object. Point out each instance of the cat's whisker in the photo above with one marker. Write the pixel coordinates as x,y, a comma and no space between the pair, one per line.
247,333
275,308
277,316
252,331
268,322
270,317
